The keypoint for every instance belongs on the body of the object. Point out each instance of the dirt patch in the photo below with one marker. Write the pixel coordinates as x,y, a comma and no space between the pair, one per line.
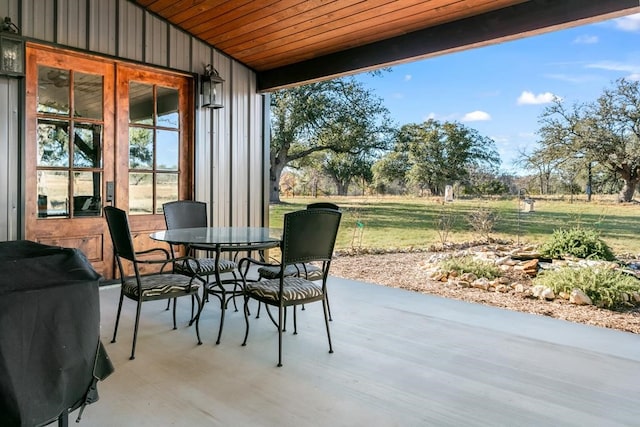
406,271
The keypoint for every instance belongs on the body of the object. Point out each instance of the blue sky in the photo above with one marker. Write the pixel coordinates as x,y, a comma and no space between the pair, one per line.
501,90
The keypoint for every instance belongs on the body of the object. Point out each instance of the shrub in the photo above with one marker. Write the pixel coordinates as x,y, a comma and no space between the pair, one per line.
606,287
444,223
578,242
468,264
482,222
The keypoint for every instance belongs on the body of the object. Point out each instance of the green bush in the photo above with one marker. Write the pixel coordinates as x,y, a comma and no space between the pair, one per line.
469,265
604,286
578,242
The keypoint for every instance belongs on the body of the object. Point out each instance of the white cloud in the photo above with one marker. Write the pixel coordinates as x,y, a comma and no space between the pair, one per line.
628,23
633,70
586,39
585,78
614,66
529,98
407,77
476,116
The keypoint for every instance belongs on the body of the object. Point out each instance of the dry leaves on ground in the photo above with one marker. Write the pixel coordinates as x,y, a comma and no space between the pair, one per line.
404,270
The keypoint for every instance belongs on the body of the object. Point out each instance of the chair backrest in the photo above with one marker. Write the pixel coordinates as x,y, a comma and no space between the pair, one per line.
323,205
120,232
185,214
309,235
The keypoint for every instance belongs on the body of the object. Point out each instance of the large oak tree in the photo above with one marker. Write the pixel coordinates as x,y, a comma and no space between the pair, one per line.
338,116
606,131
433,154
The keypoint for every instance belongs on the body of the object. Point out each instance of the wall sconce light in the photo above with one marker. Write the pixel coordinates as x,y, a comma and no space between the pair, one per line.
211,88
11,49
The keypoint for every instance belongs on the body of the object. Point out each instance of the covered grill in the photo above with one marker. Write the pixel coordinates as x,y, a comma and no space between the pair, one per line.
50,351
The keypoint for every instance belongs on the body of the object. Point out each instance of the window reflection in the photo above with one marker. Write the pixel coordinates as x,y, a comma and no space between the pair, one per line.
87,95
167,189
154,147
87,139
140,103
53,143
140,148
140,193
53,194
53,90
67,143
168,144
167,107
86,198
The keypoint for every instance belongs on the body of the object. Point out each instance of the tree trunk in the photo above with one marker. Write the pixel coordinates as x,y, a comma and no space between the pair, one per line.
274,182
628,190
343,188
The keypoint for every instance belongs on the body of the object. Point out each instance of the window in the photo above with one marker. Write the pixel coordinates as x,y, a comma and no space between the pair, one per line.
154,147
69,130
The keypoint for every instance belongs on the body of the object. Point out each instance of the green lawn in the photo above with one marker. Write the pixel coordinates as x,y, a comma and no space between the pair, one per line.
394,222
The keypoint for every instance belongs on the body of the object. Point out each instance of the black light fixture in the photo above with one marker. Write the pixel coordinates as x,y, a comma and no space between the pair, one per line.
211,88
11,49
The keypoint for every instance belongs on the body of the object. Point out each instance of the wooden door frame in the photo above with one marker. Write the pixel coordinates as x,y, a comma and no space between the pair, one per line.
143,225
85,233
91,234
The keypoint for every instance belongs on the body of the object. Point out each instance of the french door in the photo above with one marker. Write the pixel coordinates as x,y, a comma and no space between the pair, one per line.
99,133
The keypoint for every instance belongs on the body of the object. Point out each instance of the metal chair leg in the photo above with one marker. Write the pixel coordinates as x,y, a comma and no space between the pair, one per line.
326,321
135,330
280,320
115,329
246,320
197,319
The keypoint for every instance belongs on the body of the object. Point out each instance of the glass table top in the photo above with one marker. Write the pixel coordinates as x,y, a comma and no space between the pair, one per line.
219,235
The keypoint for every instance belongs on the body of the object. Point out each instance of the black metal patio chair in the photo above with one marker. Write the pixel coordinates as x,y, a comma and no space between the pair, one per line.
307,270
309,236
158,286
192,214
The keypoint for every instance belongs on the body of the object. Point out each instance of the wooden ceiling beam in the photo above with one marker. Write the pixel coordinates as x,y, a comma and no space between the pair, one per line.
520,20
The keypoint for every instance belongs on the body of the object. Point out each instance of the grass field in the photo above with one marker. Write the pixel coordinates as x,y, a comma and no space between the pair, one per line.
395,222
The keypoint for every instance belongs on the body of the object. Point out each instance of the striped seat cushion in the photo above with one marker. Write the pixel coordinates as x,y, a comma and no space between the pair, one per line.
207,266
160,284
295,288
313,271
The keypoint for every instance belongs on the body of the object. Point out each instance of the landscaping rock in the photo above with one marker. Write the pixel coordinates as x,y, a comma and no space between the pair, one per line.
579,297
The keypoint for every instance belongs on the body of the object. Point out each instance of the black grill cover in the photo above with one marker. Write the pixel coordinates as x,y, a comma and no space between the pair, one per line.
49,331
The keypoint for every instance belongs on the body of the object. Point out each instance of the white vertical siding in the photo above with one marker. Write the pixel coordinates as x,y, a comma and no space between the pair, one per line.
131,25
222,124
10,8
239,149
38,19
103,26
201,54
156,41
9,148
71,28
179,49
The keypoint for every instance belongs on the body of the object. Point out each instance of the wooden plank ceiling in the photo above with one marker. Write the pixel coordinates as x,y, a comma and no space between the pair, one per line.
294,37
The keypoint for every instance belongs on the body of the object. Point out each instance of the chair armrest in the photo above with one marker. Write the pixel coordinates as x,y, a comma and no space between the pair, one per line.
148,251
245,263
185,260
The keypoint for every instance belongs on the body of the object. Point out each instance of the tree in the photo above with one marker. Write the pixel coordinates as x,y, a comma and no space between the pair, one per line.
606,132
338,115
543,164
438,153
343,168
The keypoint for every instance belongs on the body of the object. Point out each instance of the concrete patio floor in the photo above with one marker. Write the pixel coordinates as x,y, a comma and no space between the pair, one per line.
401,359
